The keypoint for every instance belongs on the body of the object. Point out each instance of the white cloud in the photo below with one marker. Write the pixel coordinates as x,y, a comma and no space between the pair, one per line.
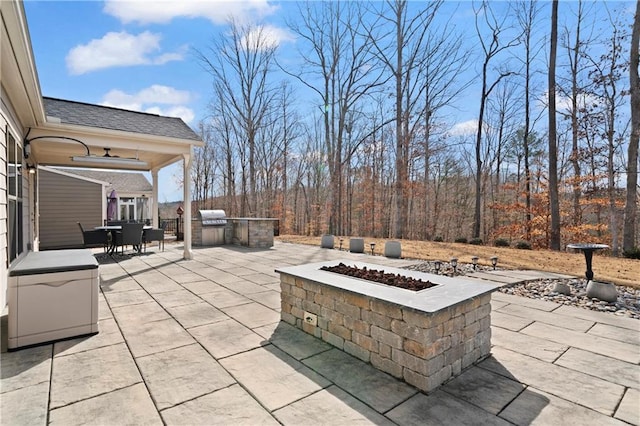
149,99
464,128
117,50
186,114
163,11
266,36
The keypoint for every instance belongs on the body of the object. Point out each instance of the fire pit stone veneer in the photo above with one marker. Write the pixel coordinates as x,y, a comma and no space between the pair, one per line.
424,337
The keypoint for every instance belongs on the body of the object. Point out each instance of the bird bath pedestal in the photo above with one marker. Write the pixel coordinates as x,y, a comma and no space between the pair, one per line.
595,289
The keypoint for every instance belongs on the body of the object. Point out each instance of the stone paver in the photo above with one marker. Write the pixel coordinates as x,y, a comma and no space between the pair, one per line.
176,298
26,405
440,408
182,374
482,388
27,367
527,345
547,317
225,299
571,385
230,406
103,409
616,333
510,322
91,373
226,338
124,298
375,388
610,369
629,409
196,314
273,377
252,315
199,342
601,345
535,407
331,406
542,305
157,336
295,342
108,334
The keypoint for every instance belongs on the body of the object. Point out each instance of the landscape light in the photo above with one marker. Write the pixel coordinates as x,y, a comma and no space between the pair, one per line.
437,264
454,264
494,261
341,240
474,260
373,246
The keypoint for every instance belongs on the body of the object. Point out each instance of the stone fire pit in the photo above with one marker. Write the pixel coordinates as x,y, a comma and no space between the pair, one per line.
424,337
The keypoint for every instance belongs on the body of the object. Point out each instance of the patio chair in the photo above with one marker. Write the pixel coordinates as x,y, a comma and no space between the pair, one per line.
131,234
154,235
94,238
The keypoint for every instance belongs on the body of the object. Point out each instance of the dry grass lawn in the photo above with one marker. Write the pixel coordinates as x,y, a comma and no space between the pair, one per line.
611,269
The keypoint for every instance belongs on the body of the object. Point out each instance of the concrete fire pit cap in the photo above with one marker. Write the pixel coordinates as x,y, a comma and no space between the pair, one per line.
447,293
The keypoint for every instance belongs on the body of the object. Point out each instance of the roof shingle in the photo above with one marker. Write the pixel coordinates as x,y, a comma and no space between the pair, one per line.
78,113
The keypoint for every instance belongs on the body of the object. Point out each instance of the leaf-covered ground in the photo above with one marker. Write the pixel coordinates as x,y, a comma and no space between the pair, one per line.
606,268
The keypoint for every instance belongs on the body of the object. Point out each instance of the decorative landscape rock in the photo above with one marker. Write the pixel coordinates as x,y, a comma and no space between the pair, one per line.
393,249
424,337
562,288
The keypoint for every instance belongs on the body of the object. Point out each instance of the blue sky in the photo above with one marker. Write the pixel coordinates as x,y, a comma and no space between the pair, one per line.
140,54
134,55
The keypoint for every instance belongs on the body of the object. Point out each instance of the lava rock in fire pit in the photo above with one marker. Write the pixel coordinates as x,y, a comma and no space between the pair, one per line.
381,277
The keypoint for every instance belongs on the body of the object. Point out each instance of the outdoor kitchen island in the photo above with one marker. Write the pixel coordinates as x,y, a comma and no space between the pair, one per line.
213,228
424,337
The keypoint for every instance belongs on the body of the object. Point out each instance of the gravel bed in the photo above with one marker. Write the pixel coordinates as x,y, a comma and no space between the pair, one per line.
627,305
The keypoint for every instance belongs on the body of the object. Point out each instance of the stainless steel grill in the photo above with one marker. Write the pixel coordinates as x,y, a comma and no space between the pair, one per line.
213,224
212,217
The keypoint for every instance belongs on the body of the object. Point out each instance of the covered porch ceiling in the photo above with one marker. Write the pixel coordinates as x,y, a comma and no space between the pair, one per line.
54,148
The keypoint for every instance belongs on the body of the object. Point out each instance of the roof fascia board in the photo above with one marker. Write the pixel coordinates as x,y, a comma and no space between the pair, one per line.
118,134
18,55
72,175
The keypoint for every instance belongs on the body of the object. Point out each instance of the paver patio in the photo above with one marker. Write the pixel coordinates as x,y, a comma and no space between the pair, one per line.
200,342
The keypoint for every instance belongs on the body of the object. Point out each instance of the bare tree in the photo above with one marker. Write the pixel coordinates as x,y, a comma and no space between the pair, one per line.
400,42
490,49
554,201
240,61
630,209
527,12
337,66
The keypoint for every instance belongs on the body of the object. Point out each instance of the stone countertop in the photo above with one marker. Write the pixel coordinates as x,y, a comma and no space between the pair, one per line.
449,291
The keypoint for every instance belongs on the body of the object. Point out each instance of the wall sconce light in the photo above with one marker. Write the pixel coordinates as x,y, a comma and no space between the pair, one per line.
454,264
474,260
437,264
494,261
27,149
373,246
31,169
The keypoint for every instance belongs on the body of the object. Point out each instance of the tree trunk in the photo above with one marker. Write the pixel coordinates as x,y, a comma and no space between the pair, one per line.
630,209
554,202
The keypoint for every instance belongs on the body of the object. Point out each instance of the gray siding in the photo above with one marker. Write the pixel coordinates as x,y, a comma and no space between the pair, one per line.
64,201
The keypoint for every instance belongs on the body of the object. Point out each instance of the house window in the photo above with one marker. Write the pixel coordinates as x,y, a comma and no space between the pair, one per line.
134,208
15,241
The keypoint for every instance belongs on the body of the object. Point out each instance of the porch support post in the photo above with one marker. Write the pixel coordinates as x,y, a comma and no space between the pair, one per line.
187,204
154,206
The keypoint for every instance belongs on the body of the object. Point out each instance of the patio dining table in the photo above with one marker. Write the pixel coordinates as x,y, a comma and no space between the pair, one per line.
111,229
